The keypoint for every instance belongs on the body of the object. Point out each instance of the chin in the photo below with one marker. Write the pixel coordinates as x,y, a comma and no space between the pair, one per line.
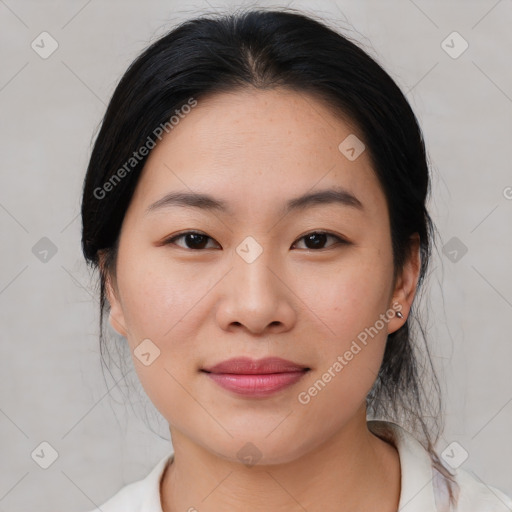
258,449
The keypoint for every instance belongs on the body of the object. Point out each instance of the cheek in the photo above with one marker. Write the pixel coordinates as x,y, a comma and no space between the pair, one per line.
158,302
165,304
354,311
351,296
157,296
340,386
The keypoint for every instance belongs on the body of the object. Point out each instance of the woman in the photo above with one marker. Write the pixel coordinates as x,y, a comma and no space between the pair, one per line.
255,203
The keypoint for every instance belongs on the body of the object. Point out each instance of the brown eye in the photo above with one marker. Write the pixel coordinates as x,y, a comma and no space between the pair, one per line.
317,239
193,240
196,240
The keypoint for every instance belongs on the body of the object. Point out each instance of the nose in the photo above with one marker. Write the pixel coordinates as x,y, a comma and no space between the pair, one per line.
256,296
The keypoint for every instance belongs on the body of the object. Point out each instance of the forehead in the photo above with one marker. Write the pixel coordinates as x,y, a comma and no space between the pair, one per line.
254,146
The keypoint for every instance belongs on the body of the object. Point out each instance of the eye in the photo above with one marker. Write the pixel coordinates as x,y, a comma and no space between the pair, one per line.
196,240
193,240
316,239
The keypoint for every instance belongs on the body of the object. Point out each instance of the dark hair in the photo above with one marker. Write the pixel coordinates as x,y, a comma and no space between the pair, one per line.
267,49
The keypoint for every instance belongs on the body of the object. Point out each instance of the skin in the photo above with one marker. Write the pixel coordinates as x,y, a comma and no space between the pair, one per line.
256,149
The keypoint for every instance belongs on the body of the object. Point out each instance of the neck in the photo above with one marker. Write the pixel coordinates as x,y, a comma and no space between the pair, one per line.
354,470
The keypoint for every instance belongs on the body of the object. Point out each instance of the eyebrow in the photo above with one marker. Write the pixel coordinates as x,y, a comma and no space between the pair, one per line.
206,202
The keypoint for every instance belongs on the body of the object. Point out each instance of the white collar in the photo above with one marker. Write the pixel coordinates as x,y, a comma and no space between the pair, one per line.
417,489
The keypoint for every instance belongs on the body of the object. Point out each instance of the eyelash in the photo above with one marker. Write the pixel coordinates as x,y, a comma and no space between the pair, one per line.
340,240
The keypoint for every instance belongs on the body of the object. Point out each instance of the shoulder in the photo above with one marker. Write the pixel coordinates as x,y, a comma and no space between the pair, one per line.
140,496
477,496
128,499
424,488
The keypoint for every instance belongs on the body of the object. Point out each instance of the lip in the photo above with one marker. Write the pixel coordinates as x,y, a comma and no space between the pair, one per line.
248,366
256,378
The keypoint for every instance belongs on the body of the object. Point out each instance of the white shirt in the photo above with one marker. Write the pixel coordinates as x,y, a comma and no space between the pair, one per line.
422,490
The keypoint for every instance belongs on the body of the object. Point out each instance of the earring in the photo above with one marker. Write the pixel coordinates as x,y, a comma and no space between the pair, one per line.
399,314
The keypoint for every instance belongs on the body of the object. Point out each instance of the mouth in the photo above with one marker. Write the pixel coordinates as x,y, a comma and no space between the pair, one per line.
256,378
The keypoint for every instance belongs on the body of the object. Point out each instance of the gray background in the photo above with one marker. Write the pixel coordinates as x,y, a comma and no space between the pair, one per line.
53,389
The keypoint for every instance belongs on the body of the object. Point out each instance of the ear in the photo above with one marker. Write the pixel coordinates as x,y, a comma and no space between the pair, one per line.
406,284
116,316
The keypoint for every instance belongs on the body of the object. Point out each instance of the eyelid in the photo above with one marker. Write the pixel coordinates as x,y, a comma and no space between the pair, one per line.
170,240
340,239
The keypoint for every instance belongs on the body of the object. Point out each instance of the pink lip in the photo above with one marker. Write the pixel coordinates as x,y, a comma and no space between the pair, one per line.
255,378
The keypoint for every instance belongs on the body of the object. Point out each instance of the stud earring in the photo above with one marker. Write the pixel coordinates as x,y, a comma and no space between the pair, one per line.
399,314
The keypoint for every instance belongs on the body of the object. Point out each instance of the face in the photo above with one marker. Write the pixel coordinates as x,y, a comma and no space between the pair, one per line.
310,282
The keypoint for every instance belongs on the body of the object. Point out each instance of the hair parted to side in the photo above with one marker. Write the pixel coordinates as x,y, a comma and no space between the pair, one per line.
266,48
